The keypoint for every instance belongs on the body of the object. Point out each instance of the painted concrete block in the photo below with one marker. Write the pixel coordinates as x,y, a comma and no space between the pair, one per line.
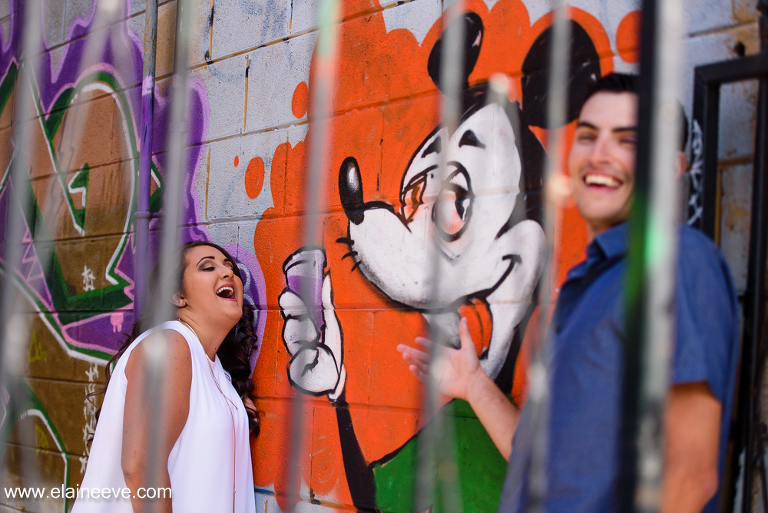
225,233
108,194
269,504
745,10
224,83
381,432
241,25
6,115
536,8
94,13
359,347
610,14
735,208
304,13
392,384
49,358
303,16
93,115
166,37
271,101
137,24
54,15
5,26
297,134
79,11
199,44
62,398
136,6
47,466
245,230
363,143
417,16
199,48
6,150
706,15
738,107
239,176
202,175
201,39
84,265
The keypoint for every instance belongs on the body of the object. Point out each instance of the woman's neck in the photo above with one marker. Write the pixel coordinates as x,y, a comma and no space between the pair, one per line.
210,336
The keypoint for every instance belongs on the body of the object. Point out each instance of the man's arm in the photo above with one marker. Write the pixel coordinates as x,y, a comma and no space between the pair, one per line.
692,429
461,377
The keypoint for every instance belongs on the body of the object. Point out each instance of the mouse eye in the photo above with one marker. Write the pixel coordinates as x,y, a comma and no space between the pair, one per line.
453,206
413,196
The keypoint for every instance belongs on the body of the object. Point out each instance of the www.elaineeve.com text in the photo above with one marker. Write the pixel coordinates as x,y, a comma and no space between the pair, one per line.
63,492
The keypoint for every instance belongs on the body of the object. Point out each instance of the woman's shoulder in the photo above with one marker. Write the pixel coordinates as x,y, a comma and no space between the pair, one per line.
164,344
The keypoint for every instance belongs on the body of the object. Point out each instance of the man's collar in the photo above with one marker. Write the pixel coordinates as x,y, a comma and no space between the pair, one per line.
609,244
612,242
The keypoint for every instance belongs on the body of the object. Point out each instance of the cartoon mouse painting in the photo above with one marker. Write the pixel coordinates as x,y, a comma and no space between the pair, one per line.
480,225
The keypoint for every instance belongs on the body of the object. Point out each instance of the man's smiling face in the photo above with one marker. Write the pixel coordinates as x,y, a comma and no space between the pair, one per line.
602,160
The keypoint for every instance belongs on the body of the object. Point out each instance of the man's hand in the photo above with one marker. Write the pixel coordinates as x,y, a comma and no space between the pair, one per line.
459,375
457,370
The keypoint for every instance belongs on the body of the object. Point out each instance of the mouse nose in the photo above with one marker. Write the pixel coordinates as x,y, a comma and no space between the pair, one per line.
351,190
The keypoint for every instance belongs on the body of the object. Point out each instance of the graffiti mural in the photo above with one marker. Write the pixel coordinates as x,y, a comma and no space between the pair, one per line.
82,183
373,278
403,251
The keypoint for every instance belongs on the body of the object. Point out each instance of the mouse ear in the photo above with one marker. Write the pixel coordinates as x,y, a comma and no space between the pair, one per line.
473,38
584,70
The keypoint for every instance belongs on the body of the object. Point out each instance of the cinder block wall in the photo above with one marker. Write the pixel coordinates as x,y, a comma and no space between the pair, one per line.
254,72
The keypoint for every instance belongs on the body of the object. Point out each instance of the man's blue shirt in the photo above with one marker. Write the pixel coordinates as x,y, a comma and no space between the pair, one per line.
587,363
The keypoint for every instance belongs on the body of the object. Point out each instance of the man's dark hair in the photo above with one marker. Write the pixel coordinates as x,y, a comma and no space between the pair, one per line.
625,83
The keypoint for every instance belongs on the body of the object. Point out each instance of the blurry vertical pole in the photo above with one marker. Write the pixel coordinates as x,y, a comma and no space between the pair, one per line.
141,259
106,14
14,321
538,397
175,170
320,114
754,306
652,258
437,471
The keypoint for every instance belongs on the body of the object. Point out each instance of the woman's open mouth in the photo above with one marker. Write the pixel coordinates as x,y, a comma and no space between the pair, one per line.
226,292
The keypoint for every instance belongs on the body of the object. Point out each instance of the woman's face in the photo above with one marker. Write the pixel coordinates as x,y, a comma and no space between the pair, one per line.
211,288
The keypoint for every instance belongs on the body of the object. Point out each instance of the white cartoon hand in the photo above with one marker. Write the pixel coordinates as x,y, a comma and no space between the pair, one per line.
316,365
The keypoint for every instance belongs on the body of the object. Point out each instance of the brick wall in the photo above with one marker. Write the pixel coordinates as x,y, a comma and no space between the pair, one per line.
253,75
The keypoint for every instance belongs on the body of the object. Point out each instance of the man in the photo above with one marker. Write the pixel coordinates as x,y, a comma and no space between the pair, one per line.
587,336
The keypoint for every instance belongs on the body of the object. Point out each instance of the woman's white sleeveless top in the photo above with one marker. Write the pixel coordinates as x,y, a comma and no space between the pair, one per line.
209,459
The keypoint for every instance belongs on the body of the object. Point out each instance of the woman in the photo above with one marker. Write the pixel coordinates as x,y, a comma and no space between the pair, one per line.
202,452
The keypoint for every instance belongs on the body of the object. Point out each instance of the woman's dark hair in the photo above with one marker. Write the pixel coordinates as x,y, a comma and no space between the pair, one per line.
234,352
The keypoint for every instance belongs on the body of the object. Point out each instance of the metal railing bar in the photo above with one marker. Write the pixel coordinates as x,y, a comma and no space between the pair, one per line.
754,305
319,121
539,380
14,320
436,459
652,259
169,245
142,215
734,70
